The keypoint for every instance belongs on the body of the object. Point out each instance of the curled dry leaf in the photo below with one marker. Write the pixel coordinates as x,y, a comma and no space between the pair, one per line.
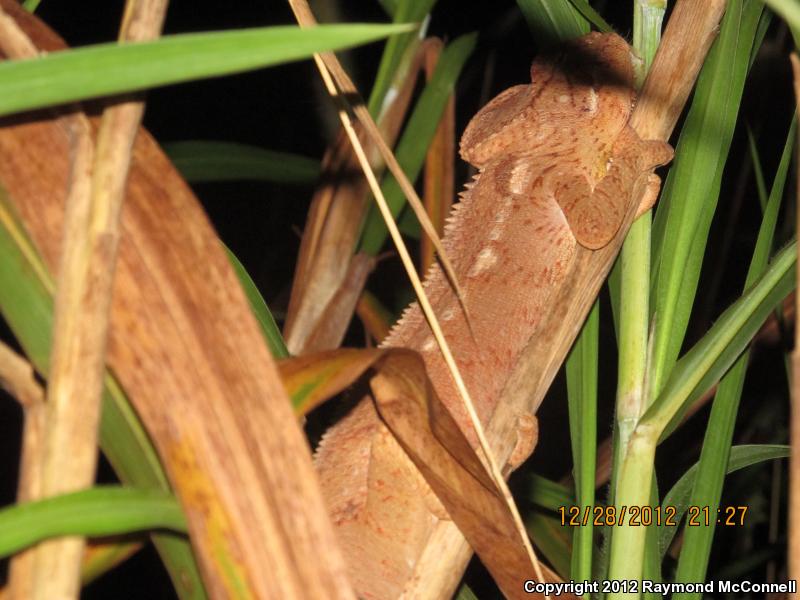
408,403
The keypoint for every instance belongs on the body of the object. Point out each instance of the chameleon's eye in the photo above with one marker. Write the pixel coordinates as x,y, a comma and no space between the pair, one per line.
497,128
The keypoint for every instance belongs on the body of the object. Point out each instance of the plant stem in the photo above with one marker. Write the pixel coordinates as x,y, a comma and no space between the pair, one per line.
635,479
648,16
635,265
633,335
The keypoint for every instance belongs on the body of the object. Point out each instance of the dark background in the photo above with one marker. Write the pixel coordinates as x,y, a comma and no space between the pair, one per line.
284,108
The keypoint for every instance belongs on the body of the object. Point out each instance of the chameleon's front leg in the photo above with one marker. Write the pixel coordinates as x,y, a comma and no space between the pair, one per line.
595,216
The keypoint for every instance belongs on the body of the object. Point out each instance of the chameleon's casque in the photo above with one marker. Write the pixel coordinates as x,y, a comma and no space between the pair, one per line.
558,164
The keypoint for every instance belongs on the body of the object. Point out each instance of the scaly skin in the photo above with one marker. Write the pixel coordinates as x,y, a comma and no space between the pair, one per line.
557,163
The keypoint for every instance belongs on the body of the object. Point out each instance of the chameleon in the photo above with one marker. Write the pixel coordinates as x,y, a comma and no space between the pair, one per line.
557,164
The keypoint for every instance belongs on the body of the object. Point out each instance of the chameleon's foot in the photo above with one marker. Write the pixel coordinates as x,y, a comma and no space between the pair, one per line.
527,438
651,188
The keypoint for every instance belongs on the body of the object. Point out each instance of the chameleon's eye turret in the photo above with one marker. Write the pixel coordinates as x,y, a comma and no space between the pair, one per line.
583,91
494,131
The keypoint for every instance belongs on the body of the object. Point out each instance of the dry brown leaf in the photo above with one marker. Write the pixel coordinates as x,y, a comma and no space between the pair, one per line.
440,161
376,319
334,220
424,427
312,379
330,328
191,358
457,475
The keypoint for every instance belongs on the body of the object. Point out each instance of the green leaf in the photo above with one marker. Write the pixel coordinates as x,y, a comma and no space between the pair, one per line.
548,494
582,399
680,494
408,224
31,5
758,173
591,15
553,21
713,355
270,330
390,6
707,490
398,48
683,218
552,539
201,161
789,10
96,512
107,69
465,593
761,31
417,136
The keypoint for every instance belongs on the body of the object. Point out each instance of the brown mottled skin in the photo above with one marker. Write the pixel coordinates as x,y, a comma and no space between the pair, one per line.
557,163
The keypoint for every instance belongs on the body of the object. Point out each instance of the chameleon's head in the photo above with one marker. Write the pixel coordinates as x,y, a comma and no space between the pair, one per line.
580,98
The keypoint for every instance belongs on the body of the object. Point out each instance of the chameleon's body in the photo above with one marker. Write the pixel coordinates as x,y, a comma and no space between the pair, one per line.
557,165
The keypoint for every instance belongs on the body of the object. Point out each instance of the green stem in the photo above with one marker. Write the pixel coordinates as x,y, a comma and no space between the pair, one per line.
634,308
631,486
648,16
582,396
635,480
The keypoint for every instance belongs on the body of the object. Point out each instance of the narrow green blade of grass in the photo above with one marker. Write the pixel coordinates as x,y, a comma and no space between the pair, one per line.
758,172
680,494
761,31
105,69
417,136
96,512
272,334
713,355
397,46
26,305
591,15
31,5
553,540
390,6
465,593
201,161
682,222
553,21
548,494
582,400
707,491
408,224
789,10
